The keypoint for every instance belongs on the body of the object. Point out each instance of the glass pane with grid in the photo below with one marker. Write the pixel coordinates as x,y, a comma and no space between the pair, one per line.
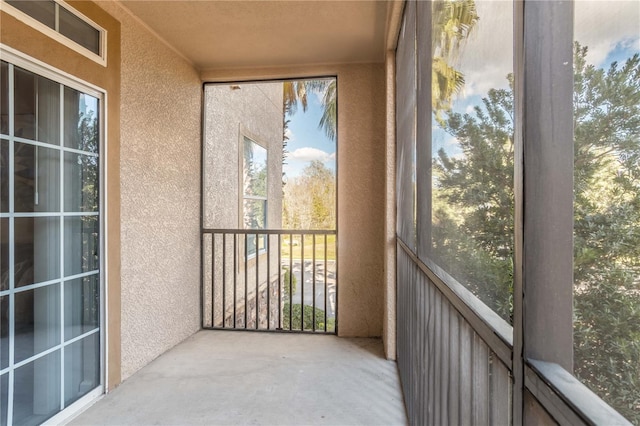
49,246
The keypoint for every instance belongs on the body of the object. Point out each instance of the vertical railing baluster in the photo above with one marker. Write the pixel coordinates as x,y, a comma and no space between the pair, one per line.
326,285
246,278
268,240
235,278
335,283
313,270
224,280
213,279
302,282
257,280
279,326
290,282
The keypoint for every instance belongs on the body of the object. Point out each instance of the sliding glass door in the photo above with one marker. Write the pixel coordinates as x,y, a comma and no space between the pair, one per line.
49,245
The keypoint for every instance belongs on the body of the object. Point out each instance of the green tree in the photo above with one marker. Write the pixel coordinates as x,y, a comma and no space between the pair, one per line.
607,230
473,219
473,201
309,200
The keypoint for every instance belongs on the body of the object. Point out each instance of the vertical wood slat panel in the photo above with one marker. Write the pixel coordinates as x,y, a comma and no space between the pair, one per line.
449,375
454,370
423,348
465,369
435,353
480,381
402,285
415,344
430,358
500,393
444,370
409,309
410,341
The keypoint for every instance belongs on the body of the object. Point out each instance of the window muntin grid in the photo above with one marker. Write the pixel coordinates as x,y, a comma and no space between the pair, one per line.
49,251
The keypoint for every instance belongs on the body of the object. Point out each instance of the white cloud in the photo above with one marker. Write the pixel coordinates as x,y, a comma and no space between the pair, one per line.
310,154
601,25
289,134
487,56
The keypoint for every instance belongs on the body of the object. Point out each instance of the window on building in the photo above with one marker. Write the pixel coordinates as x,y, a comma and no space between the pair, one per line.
55,19
254,187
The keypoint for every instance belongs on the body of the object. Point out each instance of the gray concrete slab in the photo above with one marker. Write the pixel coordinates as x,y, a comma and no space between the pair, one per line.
249,378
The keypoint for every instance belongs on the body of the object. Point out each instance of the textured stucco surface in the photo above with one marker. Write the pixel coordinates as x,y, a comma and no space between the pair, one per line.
361,186
160,195
361,199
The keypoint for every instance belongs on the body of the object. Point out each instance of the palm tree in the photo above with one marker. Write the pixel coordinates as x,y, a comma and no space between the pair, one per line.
453,21
328,121
296,91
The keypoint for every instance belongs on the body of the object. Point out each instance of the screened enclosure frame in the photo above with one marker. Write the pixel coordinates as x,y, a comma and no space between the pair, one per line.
239,263
538,349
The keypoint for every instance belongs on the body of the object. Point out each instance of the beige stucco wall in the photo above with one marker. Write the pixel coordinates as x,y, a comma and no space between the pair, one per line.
160,195
361,186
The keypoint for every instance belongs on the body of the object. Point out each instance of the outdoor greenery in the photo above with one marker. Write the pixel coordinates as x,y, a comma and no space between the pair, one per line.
607,230
309,200
473,204
295,248
308,318
290,281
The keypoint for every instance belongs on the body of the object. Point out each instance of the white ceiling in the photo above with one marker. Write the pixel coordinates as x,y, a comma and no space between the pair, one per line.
244,34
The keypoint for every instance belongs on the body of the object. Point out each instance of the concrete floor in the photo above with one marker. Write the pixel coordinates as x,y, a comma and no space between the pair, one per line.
250,378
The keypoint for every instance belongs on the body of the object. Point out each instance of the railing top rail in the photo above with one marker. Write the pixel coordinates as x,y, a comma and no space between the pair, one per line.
270,231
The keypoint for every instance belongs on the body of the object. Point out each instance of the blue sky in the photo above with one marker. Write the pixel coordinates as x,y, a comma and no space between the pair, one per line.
306,141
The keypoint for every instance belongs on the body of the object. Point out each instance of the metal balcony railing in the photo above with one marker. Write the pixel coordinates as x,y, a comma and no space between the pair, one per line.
269,280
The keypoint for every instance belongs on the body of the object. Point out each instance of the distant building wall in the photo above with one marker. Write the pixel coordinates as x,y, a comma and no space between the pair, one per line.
234,111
